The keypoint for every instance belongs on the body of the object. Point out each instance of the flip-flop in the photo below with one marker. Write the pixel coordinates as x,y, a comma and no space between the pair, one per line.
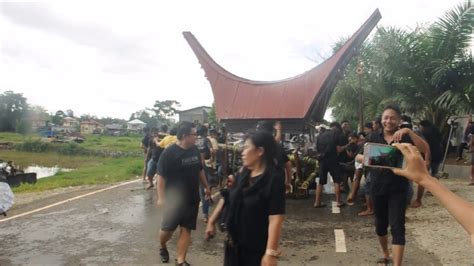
322,205
364,214
350,202
384,261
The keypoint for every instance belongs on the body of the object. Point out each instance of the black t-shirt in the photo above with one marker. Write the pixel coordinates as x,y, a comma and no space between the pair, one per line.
353,148
146,140
155,149
384,181
280,157
433,137
180,168
263,197
326,145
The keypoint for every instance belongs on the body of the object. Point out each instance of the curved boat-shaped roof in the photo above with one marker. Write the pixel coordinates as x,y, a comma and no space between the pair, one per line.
303,97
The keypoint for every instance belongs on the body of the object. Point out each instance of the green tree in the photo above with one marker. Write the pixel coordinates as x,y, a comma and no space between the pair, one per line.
427,71
87,117
163,110
212,116
58,117
453,71
13,108
145,116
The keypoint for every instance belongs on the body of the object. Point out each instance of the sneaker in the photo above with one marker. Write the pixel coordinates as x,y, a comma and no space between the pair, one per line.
164,255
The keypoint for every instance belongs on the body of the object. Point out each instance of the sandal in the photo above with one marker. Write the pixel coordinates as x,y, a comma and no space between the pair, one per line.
365,213
350,202
185,263
341,204
321,205
384,261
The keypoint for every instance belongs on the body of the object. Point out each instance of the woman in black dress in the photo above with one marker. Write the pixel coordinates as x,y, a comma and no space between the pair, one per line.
252,210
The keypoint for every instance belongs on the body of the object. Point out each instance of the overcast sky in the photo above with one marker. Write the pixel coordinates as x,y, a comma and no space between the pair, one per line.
115,58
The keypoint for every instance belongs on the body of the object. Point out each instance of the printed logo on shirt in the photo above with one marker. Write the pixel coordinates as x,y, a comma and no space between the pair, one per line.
189,161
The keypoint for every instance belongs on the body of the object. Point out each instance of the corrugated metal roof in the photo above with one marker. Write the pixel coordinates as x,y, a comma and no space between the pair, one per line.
302,97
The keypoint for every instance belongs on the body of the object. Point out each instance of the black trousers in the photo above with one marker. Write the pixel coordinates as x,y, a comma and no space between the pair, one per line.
460,149
390,211
241,256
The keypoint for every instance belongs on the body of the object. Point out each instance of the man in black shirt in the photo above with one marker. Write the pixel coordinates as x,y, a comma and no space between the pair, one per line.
204,146
282,161
154,152
328,146
389,191
179,172
433,137
144,145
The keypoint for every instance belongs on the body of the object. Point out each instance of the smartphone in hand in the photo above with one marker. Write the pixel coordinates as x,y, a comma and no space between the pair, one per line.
382,156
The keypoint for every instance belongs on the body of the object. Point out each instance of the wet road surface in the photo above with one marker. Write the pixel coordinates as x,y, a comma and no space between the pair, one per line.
120,226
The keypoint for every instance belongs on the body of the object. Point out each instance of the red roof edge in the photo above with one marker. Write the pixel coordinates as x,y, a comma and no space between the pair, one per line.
327,75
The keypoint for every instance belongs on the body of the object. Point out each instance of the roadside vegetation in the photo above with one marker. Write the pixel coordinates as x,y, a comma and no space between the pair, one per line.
99,160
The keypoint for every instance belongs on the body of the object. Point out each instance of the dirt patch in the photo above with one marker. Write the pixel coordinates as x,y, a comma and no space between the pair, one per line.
436,231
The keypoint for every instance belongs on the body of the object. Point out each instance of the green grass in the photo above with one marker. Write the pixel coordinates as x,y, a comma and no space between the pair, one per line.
110,143
89,170
92,142
106,171
15,137
49,159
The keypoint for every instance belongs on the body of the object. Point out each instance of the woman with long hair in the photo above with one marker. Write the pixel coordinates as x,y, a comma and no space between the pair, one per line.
252,209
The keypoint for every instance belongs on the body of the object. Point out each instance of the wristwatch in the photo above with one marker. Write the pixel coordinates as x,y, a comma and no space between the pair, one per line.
273,253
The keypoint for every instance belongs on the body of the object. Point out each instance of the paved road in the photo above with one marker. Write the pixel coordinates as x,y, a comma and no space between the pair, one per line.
120,226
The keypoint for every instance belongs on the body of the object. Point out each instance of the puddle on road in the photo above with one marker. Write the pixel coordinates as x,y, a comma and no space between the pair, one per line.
42,171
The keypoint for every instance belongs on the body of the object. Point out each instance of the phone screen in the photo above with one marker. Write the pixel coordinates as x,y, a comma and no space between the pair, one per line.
378,155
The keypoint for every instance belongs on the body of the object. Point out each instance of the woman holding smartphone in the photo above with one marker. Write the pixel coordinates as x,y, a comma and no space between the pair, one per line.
389,191
254,206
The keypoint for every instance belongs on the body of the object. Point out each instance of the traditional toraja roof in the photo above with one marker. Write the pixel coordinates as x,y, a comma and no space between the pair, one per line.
299,99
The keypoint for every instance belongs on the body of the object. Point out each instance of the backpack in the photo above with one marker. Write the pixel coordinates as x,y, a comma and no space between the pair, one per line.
325,144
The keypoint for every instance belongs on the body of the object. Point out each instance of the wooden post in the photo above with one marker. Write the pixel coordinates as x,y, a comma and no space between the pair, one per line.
360,72
225,163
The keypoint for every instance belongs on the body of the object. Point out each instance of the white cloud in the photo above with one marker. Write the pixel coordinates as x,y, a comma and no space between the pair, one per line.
114,58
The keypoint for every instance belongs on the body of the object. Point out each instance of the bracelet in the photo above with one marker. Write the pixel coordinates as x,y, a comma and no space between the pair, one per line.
273,253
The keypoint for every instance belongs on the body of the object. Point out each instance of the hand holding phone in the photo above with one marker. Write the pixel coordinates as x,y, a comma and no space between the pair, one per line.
382,156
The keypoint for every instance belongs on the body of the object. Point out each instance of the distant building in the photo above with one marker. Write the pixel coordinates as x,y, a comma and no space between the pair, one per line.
38,123
91,127
114,129
197,115
70,122
136,125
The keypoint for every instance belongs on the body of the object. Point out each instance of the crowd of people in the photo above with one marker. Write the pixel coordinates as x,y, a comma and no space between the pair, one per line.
250,211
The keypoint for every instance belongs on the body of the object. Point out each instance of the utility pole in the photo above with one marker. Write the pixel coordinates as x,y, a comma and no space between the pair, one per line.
360,72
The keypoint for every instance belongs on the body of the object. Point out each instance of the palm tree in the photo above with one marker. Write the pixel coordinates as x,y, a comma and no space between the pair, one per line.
452,69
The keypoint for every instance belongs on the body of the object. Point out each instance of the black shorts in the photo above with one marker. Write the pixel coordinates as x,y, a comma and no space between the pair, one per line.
329,167
184,216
